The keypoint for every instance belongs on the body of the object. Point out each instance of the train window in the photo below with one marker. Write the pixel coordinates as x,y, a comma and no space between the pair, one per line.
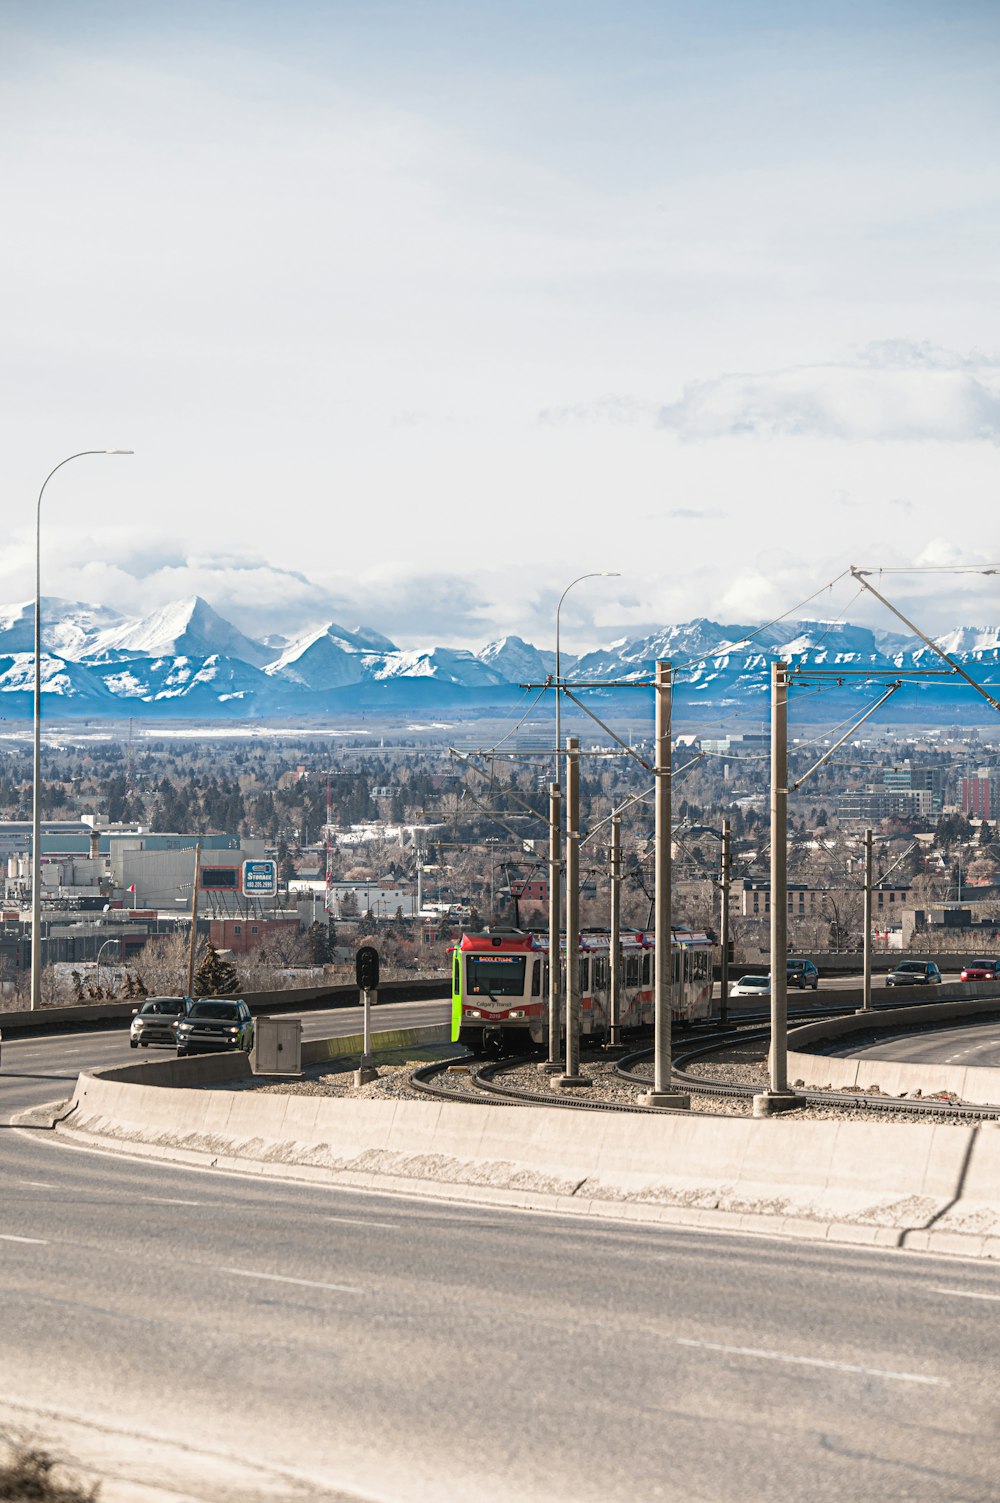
676,969
632,970
600,973
536,978
646,959
584,974
496,975
457,975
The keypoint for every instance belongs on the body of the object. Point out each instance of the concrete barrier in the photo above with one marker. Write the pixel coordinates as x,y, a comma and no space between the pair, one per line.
314,1051
292,999
883,1184
972,1083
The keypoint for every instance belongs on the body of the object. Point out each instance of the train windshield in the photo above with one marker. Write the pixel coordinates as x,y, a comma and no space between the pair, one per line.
496,975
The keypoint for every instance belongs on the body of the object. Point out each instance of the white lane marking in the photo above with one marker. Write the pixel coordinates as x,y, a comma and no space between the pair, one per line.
165,1200
842,1367
963,1293
36,1184
280,1278
36,1241
381,1226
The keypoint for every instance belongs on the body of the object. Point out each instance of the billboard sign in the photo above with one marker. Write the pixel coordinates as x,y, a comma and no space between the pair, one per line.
260,879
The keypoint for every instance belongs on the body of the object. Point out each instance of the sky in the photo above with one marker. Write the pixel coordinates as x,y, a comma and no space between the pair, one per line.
415,312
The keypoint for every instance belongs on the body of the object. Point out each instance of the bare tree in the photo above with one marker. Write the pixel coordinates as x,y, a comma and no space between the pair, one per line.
162,965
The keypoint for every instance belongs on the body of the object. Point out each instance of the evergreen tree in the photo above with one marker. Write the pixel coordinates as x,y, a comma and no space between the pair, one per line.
214,977
320,948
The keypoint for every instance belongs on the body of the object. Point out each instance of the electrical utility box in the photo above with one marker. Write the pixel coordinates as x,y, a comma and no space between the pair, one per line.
277,1046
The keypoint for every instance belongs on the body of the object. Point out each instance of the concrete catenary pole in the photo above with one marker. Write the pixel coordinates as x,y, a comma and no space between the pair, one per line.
778,1097
662,1094
571,1074
553,1066
193,942
614,941
866,1005
726,879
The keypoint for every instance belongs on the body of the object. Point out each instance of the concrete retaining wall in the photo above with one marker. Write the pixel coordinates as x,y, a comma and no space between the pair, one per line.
884,1184
969,1082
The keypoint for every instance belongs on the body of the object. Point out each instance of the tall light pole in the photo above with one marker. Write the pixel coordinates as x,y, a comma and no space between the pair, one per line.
601,574
36,799
551,1065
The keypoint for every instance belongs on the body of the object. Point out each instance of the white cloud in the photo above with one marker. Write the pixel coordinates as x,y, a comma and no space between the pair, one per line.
894,390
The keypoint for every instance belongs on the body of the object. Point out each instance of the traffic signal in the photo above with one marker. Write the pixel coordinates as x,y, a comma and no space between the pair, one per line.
366,968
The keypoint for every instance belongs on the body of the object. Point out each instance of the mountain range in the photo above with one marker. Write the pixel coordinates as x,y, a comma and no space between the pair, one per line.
187,661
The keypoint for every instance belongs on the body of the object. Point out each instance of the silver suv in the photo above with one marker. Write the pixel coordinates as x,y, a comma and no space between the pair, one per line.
155,1022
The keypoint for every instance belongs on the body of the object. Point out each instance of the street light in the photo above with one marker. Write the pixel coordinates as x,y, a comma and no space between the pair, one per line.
36,800
601,574
114,941
551,1065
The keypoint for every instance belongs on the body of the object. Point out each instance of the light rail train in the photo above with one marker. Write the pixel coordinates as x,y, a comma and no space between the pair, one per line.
500,985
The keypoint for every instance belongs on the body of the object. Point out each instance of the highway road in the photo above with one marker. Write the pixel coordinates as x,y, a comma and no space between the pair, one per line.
972,1044
201,1335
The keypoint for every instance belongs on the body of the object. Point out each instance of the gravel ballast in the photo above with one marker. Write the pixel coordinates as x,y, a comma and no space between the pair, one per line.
735,1065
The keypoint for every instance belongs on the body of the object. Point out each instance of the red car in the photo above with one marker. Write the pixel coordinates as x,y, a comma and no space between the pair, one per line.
980,970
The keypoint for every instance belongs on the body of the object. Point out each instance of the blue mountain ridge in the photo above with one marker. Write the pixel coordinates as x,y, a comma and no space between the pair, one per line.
182,663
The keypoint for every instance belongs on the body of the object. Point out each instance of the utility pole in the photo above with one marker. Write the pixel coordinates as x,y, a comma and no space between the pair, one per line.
571,1075
552,1065
726,878
778,1097
663,959
193,943
615,943
867,1003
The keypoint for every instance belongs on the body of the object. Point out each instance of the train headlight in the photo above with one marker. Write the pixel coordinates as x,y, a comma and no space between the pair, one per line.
472,1012
518,1012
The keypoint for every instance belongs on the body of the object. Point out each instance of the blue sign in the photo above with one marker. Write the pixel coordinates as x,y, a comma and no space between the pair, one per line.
260,878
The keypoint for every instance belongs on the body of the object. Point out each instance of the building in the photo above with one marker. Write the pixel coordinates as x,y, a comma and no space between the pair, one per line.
978,797
531,891
875,803
909,776
241,935
809,902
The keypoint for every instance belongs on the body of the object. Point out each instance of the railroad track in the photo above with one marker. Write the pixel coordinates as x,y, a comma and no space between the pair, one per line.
699,1042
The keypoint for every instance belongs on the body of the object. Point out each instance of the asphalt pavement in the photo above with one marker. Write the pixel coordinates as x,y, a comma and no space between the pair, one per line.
201,1335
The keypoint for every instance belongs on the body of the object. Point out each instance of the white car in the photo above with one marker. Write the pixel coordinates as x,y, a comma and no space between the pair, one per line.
751,986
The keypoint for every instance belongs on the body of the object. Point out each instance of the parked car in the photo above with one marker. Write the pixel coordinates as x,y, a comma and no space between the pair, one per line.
155,1022
213,1023
914,973
980,970
802,973
751,986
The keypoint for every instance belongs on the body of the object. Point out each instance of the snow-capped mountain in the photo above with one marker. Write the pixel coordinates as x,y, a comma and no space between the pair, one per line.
187,659
186,627
450,665
520,663
69,627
